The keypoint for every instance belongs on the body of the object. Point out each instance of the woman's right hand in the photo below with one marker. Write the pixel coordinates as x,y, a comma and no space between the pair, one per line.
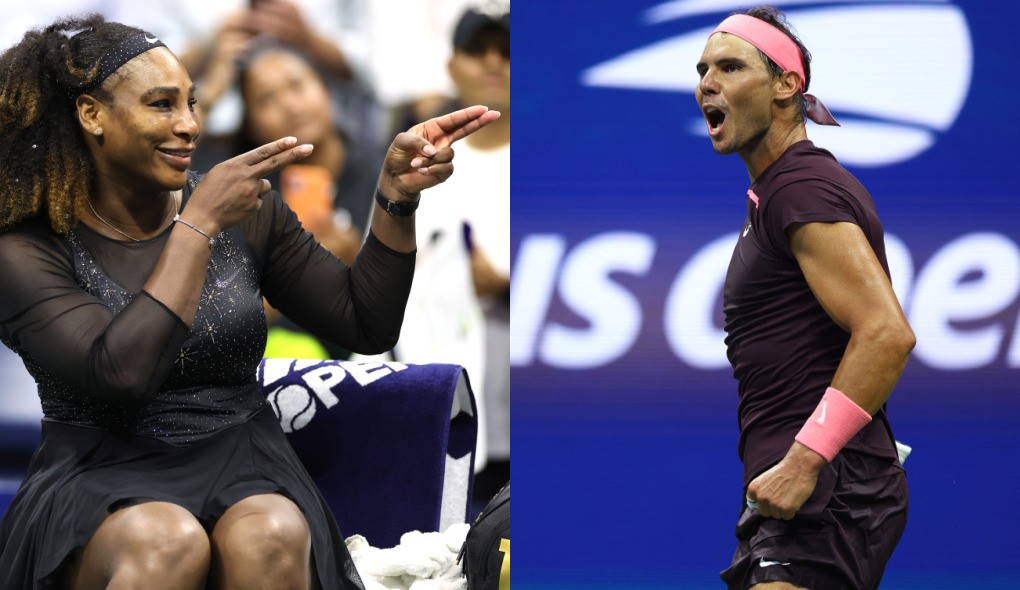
232,190
421,157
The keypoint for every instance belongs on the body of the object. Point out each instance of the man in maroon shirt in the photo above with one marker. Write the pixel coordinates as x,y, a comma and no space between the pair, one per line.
815,334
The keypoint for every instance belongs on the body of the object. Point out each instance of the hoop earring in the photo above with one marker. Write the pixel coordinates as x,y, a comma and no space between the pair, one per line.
97,131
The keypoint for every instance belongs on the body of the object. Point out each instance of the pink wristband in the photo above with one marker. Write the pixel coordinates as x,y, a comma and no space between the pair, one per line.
835,421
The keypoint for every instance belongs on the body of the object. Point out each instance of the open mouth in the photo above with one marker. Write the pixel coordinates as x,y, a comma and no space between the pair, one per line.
715,118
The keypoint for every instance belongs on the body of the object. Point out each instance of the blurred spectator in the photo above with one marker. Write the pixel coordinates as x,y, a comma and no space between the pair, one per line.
210,37
408,89
466,232
331,190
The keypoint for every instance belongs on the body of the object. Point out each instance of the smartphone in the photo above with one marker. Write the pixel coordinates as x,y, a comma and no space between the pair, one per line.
308,191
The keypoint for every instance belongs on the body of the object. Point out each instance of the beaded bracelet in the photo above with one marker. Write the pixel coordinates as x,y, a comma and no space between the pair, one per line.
212,240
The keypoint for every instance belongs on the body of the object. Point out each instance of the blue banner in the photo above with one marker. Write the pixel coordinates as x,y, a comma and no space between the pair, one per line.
624,407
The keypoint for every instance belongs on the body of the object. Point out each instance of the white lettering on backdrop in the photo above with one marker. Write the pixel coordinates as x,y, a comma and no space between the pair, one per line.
955,302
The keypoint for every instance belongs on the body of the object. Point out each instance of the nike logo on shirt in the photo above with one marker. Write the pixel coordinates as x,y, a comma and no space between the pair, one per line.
764,563
221,283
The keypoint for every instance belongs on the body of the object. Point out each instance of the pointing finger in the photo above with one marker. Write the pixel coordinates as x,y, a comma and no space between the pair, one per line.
277,161
459,124
264,152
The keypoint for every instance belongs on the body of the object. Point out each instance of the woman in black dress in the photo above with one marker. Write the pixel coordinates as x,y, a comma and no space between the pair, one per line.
132,291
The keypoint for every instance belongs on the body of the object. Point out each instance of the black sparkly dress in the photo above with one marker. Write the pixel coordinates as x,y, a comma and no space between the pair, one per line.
139,407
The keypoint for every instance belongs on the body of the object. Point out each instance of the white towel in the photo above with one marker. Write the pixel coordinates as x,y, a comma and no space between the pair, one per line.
422,561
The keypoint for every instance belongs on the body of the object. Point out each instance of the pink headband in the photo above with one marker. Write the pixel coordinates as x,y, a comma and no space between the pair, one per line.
782,50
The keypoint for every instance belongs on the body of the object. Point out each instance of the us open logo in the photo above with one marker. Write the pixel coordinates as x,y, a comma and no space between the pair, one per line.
293,386
895,75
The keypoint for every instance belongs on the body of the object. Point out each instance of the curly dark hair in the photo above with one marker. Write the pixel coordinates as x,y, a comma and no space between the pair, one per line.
45,166
777,19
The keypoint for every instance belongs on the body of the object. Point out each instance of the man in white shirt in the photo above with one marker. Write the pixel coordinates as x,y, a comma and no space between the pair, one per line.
464,237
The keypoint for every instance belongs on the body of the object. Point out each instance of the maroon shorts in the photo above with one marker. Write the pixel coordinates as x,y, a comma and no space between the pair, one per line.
841,538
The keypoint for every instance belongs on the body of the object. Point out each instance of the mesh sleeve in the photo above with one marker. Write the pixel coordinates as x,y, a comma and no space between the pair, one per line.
120,359
359,307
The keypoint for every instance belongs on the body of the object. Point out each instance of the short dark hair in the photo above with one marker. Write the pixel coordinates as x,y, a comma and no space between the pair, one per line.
45,166
777,19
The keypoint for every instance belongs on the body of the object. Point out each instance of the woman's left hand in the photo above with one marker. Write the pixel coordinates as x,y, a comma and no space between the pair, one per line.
421,157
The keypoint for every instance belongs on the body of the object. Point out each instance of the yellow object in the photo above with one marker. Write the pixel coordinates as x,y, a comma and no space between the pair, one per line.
504,572
283,343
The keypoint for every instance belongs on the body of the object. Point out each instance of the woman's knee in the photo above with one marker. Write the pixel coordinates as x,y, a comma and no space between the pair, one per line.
155,541
159,535
265,530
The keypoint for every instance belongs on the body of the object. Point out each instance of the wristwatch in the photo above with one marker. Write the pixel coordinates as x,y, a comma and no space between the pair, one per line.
396,208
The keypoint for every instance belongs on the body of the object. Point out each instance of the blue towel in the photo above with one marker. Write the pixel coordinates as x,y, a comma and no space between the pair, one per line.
377,438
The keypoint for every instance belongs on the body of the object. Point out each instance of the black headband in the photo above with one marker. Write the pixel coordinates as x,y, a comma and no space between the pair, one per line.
121,54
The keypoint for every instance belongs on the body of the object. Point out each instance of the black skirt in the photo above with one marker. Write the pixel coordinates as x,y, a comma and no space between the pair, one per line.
78,474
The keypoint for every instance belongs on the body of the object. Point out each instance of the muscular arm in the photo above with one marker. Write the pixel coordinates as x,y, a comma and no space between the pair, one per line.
847,279
849,283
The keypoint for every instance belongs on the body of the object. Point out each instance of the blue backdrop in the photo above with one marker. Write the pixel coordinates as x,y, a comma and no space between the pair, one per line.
624,409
